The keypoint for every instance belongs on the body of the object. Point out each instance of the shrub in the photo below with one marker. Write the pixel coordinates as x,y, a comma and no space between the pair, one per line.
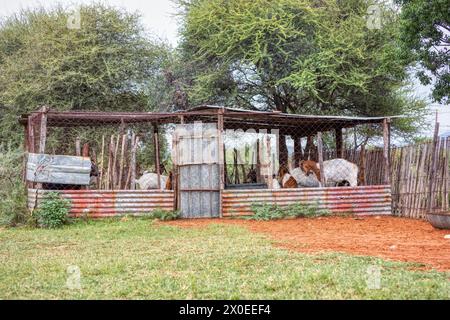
264,211
13,204
164,215
53,211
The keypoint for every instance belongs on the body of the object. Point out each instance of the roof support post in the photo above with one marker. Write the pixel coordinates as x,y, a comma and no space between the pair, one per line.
339,142
156,151
220,127
320,156
386,147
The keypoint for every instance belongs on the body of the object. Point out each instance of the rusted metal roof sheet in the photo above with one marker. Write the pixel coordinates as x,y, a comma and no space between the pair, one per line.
364,200
104,203
60,169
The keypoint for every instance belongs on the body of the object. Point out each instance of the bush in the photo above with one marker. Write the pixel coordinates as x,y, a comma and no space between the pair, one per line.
266,211
13,204
164,215
53,211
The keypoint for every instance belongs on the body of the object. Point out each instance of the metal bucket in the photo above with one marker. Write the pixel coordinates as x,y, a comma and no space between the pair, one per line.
440,220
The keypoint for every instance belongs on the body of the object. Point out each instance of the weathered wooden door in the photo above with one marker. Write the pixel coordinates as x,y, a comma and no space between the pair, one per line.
196,155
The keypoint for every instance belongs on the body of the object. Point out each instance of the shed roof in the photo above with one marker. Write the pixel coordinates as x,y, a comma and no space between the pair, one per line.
233,118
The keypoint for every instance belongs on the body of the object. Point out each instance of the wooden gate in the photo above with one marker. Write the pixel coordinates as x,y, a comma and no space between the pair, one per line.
196,157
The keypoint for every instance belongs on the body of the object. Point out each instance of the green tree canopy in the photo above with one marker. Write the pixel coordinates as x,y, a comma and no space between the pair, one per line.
109,63
296,56
425,35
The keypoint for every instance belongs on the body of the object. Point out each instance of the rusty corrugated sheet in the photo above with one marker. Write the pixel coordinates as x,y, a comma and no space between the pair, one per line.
104,203
365,200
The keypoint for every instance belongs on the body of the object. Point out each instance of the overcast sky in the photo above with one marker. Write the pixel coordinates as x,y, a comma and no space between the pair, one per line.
159,18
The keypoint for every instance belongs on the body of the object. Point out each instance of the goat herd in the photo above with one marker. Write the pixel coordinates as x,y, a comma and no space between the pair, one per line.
337,172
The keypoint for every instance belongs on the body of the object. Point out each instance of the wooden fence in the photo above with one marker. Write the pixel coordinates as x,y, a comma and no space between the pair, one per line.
411,176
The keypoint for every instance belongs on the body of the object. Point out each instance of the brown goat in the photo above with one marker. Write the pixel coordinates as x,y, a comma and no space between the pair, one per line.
169,185
290,182
310,166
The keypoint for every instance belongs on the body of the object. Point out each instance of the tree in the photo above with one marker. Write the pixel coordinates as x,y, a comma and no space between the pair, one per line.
425,37
298,56
109,63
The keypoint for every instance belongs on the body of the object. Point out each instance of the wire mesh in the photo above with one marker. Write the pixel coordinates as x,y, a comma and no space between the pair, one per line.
260,149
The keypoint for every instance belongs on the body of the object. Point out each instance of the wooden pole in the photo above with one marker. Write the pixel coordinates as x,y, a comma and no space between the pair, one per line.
386,146
320,156
25,154
31,141
156,151
297,150
101,164
434,157
133,162
43,129
258,161
114,165
339,142
269,162
175,170
220,126
77,146
85,152
122,160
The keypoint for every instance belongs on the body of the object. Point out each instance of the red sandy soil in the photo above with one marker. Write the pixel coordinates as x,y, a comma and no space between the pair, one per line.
386,237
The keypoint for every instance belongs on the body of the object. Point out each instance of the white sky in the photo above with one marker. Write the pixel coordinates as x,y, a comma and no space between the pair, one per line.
159,18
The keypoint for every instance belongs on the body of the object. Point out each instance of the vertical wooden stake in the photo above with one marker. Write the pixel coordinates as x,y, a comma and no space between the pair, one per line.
122,160
269,162
434,158
386,146
156,151
102,165
78,147
320,156
339,142
220,127
43,129
133,162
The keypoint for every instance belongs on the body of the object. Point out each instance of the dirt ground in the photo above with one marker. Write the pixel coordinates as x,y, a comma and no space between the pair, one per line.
386,237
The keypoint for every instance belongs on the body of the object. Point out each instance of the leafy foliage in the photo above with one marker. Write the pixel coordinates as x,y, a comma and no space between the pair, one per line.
109,63
264,211
13,208
164,215
296,56
425,36
53,211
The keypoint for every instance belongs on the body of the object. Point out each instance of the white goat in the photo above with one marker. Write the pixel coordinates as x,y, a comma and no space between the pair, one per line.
303,180
339,170
149,180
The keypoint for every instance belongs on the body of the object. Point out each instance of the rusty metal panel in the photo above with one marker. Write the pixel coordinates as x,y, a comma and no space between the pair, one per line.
199,177
105,203
364,200
46,168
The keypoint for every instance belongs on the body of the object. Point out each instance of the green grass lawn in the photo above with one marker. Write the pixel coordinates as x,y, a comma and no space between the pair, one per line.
142,259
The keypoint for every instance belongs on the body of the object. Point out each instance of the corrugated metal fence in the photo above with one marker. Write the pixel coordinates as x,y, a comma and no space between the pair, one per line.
104,203
365,200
